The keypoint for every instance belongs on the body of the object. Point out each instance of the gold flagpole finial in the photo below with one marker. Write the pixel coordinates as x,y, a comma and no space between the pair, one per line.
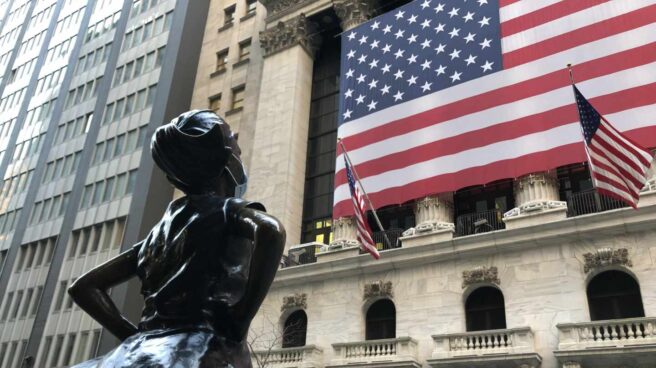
571,77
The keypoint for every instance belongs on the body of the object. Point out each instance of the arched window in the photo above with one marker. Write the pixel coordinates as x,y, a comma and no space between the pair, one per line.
295,330
381,320
485,309
614,295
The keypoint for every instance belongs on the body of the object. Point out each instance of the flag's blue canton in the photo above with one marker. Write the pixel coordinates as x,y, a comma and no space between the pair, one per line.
415,50
349,177
590,118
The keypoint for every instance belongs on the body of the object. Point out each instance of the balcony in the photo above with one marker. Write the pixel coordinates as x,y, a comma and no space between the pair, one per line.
399,352
589,201
490,349
612,343
479,222
393,235
308,356
301,254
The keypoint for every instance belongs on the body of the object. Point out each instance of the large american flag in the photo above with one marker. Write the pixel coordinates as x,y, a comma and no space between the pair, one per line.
618,165
360,211
438,95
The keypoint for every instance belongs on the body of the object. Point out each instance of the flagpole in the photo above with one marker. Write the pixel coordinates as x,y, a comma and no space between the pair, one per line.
585,143
357,178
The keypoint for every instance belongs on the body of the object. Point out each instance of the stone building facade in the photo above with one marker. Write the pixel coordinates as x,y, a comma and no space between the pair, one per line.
509,274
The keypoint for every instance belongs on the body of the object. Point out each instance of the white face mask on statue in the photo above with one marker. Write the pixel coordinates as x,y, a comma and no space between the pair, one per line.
237,172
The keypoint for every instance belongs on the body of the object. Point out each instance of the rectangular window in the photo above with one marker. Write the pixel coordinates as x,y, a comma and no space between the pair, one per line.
251,6
229,15
60,296
221,60
238,97
215,103
244,50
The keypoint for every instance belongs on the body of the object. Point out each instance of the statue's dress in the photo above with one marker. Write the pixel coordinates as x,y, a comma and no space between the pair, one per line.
194,272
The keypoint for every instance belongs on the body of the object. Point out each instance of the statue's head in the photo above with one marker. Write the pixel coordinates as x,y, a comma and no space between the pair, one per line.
199,154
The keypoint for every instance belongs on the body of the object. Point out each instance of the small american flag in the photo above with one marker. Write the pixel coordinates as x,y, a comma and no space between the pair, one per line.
618,165
360,210
438,95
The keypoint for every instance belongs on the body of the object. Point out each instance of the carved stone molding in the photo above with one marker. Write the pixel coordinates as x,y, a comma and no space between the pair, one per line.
354,12
378,289
296,31
296,301
274,7
479,275
606,257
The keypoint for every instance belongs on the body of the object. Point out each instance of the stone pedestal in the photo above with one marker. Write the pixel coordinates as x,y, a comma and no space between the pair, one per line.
537,200
433,214
280,139
327,255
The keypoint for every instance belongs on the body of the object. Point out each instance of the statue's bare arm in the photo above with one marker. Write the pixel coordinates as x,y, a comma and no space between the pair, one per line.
90,292
268,236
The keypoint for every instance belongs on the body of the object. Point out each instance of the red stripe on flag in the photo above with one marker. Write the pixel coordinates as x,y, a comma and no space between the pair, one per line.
587,34
615,102
545,15
595,68
503,3
549,159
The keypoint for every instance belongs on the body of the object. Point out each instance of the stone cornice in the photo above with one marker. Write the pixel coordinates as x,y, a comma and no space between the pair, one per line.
600,225
296,31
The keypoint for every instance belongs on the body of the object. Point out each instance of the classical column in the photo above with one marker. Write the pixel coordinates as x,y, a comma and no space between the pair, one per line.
351,13
354,12
281,127
344,233
433,213
537,200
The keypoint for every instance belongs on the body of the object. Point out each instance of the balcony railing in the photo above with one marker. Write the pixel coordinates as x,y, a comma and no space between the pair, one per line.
610,333
479,222
401,350
304,356
301,254
590,201
393,235
508,347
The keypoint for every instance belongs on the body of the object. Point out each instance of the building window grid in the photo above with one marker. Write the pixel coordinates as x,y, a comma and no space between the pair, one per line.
100,237
8,221
102,27
140,6
120,145
28,148
50,81
118,186
74,348
139,66
61,167
73,128
93,58
49,209
115,111
137,35
82,93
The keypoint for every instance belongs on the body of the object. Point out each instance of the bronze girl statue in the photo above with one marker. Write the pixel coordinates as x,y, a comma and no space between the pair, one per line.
205,268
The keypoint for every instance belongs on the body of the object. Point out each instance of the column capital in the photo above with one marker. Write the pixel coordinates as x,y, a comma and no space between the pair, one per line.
354,12
534,193
432,213
296,31
344,234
